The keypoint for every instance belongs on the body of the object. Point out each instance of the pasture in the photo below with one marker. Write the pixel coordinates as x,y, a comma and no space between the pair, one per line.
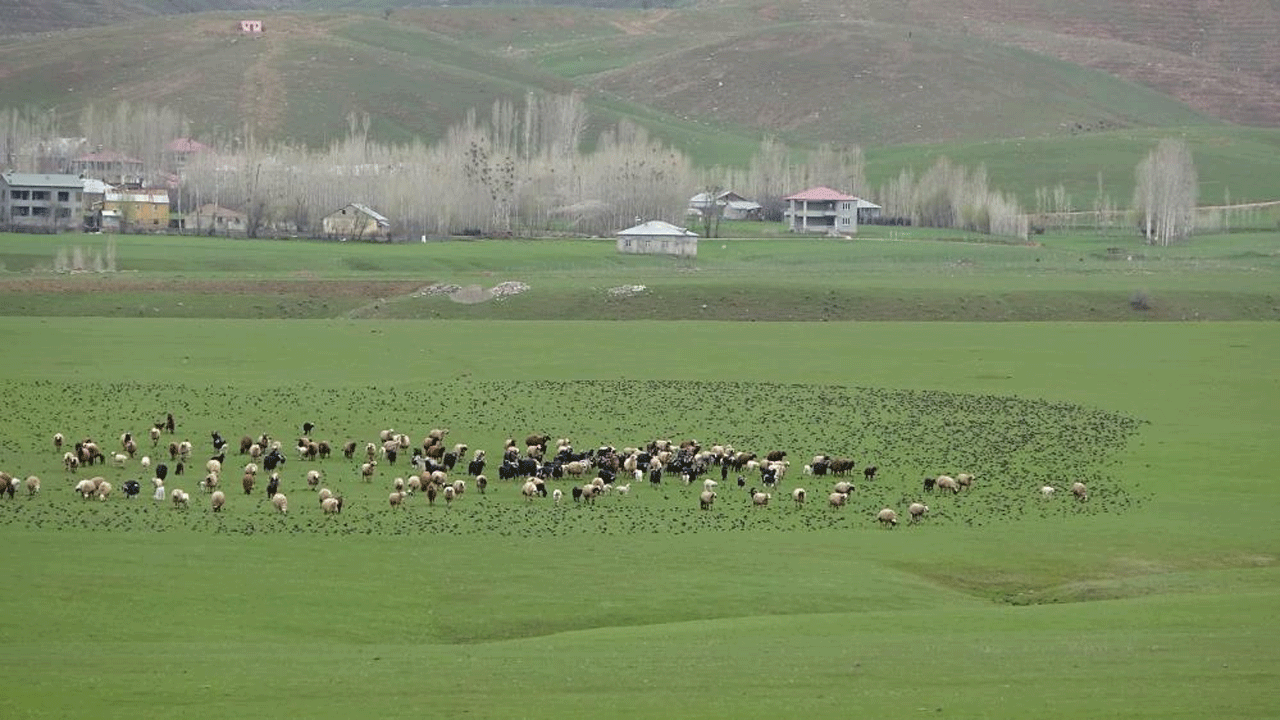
1152,599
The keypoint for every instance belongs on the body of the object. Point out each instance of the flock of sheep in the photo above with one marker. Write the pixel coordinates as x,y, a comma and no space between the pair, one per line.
531,466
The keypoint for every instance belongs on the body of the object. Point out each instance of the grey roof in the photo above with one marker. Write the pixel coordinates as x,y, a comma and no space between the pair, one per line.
744,205
381,219
17,179
657,228
865,204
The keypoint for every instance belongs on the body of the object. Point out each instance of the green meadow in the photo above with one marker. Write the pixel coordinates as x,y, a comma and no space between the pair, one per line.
1153,599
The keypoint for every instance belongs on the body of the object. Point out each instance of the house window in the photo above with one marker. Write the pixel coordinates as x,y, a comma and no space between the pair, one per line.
845,206
40,211
39,194
64,212
64,195
21,211
20,194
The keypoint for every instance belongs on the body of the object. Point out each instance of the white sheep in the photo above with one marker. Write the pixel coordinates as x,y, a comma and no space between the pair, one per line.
397,484
180,498
210,482
1080,491
70,461
251,468
213,466
557,495
324,494
844,487
964,480
119,459
449,494
760,499
798,495
281,502
217,500
104,490
917,511
57,441
366,470
33,485
459,487
946,482
621,489
706,499
146,462
396,498
710,484
159,493
838,499
331,505
529,490
888,518
1047,491
313,479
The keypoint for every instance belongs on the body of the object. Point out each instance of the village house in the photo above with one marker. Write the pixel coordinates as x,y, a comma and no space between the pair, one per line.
210,219
140,210
109,166
731,205
250,27
822,210
179,152
41,202
356,222
656,237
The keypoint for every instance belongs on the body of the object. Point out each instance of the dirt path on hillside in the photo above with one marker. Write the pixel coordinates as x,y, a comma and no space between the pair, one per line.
262,92
642,25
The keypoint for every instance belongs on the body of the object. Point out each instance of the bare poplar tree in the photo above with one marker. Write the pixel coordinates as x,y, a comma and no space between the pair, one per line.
1165,195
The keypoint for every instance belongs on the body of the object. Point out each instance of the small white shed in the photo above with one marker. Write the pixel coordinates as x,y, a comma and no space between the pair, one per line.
658,238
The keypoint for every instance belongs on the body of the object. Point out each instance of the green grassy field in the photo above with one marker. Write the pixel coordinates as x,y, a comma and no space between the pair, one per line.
1153,599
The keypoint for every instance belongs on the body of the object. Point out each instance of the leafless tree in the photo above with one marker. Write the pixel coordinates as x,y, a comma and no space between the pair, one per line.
1165,195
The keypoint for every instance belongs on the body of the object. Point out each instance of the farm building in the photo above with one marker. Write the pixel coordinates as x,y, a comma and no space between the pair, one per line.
250,27
145,209
823,210
868,211
209,219
32,201
357,222
658,238
732,206
179,152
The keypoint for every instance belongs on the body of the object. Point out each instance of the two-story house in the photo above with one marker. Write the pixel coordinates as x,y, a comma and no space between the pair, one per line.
36,201
822,210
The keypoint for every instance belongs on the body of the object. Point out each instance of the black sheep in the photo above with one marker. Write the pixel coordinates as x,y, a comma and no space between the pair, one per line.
475,467
742,482
869,472
577,493
272,460
273,486
131,488
655,476
450,459
162,471
169,424
929,482
307,428
179,468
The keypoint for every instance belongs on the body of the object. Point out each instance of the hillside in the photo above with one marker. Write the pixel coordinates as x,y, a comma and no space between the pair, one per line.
710,77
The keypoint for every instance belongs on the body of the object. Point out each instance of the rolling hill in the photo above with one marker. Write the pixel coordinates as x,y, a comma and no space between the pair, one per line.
710,77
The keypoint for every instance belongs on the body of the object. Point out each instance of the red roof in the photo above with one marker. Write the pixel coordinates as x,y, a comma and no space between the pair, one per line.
820,194
186,145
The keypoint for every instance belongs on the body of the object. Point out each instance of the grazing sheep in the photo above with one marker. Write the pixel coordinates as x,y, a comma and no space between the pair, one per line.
70,461
331,505
397,484
929,483
87,487
217,500
210,482
760,499
591,492
917,511
706,499
557,495
1080,491
396,498
213,466
845,488
33,485
131,488
313,479
964,480
366,470
838,499
180,498
247,483
145,462
324,494
888,518
798,495
620,489
529,490
119,459
869,472
8,483
1047,491
946,482
281,502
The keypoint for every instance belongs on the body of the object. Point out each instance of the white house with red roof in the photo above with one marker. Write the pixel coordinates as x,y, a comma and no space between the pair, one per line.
822,210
